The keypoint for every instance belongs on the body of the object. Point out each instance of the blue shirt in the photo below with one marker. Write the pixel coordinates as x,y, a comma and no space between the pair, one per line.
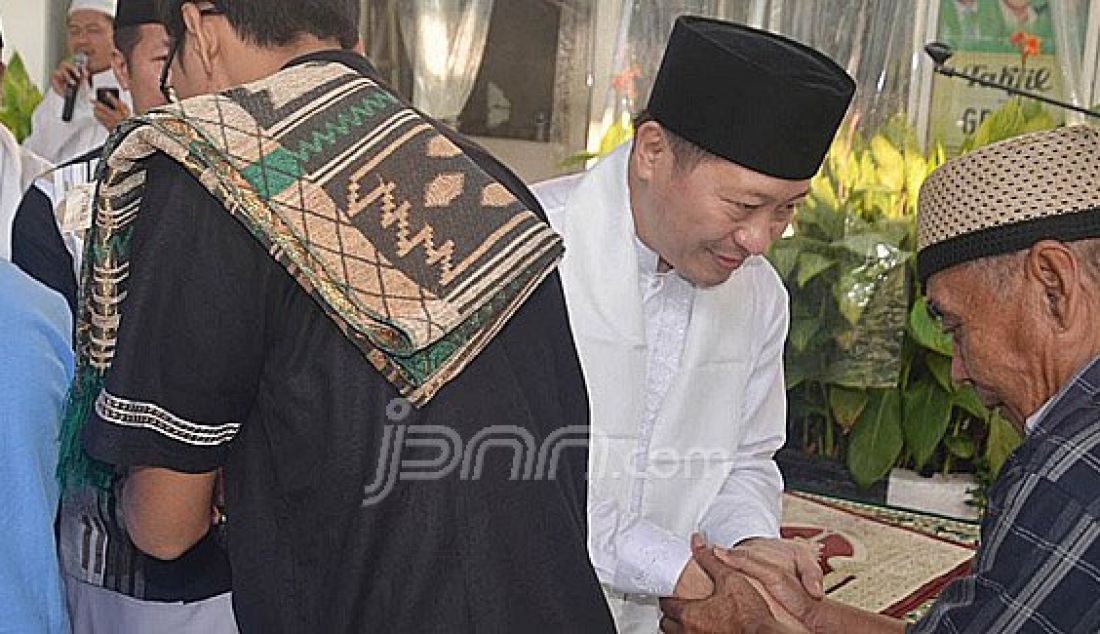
1038,567
36,365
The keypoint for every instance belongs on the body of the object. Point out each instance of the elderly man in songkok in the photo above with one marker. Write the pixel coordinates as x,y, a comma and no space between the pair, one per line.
1009,256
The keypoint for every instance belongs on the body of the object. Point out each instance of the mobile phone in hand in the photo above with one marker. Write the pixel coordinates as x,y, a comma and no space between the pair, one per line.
101,96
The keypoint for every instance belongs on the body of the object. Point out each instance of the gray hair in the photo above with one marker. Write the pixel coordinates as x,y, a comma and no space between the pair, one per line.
1002,272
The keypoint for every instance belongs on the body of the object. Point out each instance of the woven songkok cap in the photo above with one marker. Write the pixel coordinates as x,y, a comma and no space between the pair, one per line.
1005,197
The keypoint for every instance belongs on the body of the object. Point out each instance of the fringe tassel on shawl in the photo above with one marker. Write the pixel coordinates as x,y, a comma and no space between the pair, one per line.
75,467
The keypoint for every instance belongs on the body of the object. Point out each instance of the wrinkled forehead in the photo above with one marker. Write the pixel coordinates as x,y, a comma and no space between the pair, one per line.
952,291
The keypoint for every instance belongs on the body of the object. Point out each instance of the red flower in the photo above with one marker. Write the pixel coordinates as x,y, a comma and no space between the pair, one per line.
1026,43
623,83
1031,46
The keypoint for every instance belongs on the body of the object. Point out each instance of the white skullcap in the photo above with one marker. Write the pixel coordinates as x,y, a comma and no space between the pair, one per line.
103,6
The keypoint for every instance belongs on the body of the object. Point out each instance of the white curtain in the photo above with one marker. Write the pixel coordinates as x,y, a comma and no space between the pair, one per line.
872,39
445,41
643,30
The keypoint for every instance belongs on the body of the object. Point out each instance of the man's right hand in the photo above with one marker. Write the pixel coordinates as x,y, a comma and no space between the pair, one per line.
110,116
734,607
694,582
66,73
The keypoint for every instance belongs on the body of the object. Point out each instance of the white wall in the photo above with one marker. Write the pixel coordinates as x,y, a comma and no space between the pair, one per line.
530,160
27,30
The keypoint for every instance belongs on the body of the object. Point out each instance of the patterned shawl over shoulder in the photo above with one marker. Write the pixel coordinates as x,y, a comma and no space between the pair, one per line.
417,254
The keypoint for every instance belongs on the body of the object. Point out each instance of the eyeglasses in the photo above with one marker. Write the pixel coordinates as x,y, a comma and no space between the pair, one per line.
168,91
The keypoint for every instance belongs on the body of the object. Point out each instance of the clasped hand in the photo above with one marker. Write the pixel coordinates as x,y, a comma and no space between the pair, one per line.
762,585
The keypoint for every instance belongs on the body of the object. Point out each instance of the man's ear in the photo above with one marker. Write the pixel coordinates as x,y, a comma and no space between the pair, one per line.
122,71
201,34
651,148
1058,272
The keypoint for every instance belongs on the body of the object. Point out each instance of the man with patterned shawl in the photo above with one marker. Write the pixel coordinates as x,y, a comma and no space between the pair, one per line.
351,313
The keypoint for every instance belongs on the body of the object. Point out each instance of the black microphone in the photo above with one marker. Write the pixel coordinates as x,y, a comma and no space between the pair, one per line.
80,60
940,53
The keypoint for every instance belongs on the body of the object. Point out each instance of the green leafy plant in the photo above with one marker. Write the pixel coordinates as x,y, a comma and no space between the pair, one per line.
21,97
1014,118
868,369
620,131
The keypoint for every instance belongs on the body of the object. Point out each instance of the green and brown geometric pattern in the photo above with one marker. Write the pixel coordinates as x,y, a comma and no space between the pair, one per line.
412,249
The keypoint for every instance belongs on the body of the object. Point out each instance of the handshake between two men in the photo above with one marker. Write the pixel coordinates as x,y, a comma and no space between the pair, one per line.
763,586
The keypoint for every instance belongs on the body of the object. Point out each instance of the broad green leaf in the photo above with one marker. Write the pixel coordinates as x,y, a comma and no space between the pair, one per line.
926,331
876,440
857,286
783,256
1038,123
1002,124
916,170
821,190
820,223
853,291
938,157
618,133
873,246
895,232
960,446
810,265
940,368
871,350
854,225
846,404
890,163
1002,441
577,161
803,331
20,99
794,373
927,412
1031,108
967,399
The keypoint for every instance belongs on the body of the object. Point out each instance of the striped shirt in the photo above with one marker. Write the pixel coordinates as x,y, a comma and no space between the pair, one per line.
1038,568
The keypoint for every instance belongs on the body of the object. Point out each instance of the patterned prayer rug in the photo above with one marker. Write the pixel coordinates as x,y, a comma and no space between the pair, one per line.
880,559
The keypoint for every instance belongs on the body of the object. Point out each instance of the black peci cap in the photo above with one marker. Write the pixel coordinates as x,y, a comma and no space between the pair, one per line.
136,13
758,99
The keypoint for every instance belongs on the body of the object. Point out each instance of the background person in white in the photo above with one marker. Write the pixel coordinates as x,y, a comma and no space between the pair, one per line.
680,324
89,31
18,169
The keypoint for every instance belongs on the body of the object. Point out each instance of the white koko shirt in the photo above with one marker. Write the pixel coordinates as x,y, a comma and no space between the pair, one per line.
710,377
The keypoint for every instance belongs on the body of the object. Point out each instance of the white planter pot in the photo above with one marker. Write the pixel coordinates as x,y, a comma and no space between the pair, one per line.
940,494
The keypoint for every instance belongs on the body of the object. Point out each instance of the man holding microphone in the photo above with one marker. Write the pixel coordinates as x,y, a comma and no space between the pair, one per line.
70,121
